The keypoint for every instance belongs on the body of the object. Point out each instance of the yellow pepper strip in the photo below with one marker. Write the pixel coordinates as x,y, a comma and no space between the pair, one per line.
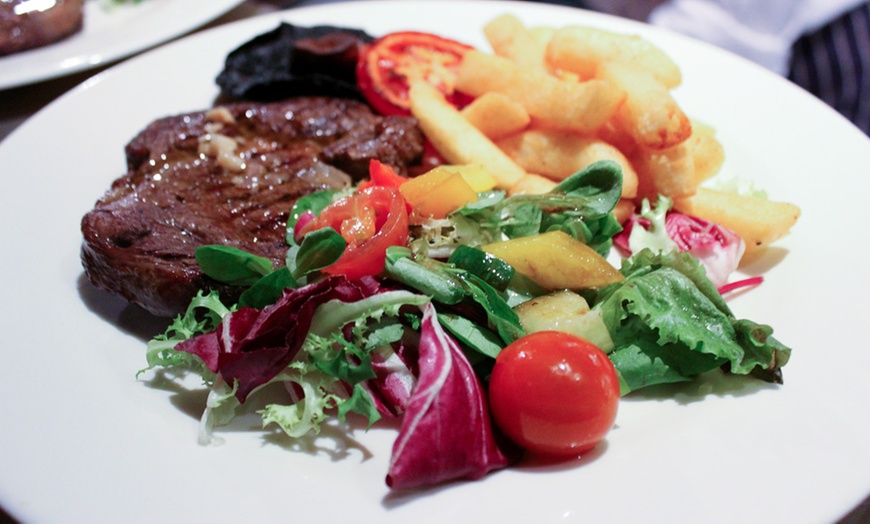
477,176
437,193
556,260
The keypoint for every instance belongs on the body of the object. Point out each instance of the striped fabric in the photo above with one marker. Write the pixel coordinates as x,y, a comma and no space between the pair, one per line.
833,63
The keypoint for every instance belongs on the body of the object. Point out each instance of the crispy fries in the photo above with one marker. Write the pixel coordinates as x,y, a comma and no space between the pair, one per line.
650,114
583,49
496,115
455,138
560,154
670,172
706,150
550,101
509,38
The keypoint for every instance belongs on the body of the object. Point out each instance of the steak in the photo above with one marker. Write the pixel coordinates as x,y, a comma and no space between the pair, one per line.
25,24
229,175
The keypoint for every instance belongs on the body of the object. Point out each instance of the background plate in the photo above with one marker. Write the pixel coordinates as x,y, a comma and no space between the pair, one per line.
84,440
110,34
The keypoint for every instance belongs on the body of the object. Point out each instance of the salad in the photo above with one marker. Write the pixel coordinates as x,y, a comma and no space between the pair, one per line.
416,328
467,310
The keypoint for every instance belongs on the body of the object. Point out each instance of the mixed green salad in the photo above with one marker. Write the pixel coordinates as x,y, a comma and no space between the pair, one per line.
382,311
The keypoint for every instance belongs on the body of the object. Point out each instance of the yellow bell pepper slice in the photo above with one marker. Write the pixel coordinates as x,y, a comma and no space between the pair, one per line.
556,260
477,176
437,193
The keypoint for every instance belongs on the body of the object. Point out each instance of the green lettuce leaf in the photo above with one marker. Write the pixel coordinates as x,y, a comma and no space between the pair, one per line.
669,324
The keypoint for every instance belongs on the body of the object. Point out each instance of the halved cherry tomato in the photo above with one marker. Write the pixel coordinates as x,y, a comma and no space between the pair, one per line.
370,220
386,66
554,394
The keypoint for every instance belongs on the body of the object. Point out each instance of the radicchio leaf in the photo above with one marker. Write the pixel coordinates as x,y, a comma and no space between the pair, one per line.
446,432
717,248
395,378
252,346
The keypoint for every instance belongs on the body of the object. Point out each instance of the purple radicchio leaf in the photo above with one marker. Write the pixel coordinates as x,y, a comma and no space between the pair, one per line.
252,346
446,432
395,377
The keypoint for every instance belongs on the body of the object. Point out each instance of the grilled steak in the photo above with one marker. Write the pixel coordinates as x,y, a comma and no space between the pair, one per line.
229,176
25,24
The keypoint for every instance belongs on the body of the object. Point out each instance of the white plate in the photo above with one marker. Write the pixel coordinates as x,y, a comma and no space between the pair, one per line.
84,441
108,35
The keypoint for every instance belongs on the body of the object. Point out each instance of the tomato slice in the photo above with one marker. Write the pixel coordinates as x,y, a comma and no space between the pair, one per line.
554,394
387,65
370,220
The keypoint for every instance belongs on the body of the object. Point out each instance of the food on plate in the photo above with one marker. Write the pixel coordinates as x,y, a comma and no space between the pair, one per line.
27,24
564,311
557,103
583,49
467,298
509,38
419,338
455,138
559,154
757,220
496,115
389,65
439,192
229,175
369,221
707,153
556,366
294,60
650,115
555,260
662,150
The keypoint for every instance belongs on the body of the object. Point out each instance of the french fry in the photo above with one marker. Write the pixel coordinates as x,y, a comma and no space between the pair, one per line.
707,151
455,138
670,172
758,221
650,114
509,38
496,115
554,103
581,49
542,34
531,184
618,138
560,154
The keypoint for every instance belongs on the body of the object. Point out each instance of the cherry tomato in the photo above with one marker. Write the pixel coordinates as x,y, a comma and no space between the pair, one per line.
370,220
554,394
386,66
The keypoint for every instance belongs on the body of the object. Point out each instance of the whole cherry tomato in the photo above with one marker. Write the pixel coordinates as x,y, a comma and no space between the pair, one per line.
386,66
554,394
